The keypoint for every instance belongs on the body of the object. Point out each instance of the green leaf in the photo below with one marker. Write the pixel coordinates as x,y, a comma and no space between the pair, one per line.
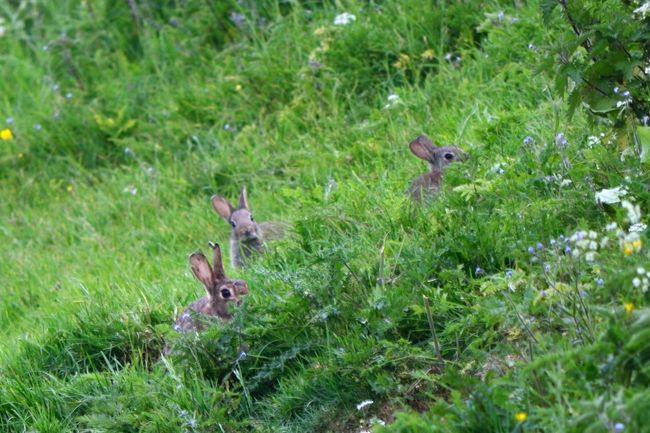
643,133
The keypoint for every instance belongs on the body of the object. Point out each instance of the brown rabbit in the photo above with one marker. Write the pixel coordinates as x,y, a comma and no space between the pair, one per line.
247,236
221,290
428,184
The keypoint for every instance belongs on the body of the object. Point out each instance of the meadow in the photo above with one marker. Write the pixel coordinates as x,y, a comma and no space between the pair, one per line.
515,301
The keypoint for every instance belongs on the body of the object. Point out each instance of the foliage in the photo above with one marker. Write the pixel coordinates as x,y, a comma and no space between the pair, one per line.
125,117
601,61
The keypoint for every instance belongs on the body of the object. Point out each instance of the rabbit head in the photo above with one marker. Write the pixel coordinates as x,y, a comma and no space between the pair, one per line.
437,157
221,289
240,218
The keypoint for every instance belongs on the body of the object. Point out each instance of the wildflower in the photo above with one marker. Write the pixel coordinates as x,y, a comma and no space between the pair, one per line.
592,140
547,267
611,226
237,18
131,190
529,140
402,61
582,293
37,127
637,244
626,94
540,246
593,245
242,356
629,307
590,256
478,271
633,211
560,140
531,250
9,120
344,19
617,89
6,134
552,242
532,46
636,282
567,250
543,293
521,416
627,249
619,426
21,155
600,282
509,273
640,270
128,151
68,95
610,196
637,228
69,188
364,404
55,87
427,54
238,87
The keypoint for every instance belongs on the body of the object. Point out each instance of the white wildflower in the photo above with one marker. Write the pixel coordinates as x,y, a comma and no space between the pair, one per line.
604,242
131,190
611,226
633,211
640,270
593,140
590,256
642,10
565,182
344,19
636,282
364,404
592,234
593,245
638,227
610,196
393,100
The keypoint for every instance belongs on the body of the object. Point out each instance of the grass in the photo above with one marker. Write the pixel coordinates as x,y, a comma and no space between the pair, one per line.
126,120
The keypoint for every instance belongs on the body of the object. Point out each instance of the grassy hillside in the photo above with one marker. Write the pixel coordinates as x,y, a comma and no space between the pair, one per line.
121,118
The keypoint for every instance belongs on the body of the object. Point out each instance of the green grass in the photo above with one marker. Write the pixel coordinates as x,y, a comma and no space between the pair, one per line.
175,102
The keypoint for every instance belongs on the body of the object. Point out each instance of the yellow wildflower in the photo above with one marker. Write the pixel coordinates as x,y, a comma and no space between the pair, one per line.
238,87
402,62
427,54
69,188
629,307
21,155
521,416
6,134
319,31
637,244
627,249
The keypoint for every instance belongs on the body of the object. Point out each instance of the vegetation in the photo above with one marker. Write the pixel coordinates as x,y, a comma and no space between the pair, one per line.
517,300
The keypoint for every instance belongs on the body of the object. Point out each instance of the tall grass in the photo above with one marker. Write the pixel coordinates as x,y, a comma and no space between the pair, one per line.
128,116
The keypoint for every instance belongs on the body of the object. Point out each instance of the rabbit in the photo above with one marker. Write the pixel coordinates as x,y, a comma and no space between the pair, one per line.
247,236
221,290
428,184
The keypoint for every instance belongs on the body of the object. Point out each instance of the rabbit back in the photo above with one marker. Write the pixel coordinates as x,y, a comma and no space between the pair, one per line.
426,185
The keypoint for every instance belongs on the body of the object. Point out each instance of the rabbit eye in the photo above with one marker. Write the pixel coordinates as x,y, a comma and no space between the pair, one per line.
225,293
232,223
449,156
252,219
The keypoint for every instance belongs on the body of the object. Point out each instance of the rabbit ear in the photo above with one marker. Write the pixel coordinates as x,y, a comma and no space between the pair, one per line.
243,199
222,206
217,263
201,269
423,148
